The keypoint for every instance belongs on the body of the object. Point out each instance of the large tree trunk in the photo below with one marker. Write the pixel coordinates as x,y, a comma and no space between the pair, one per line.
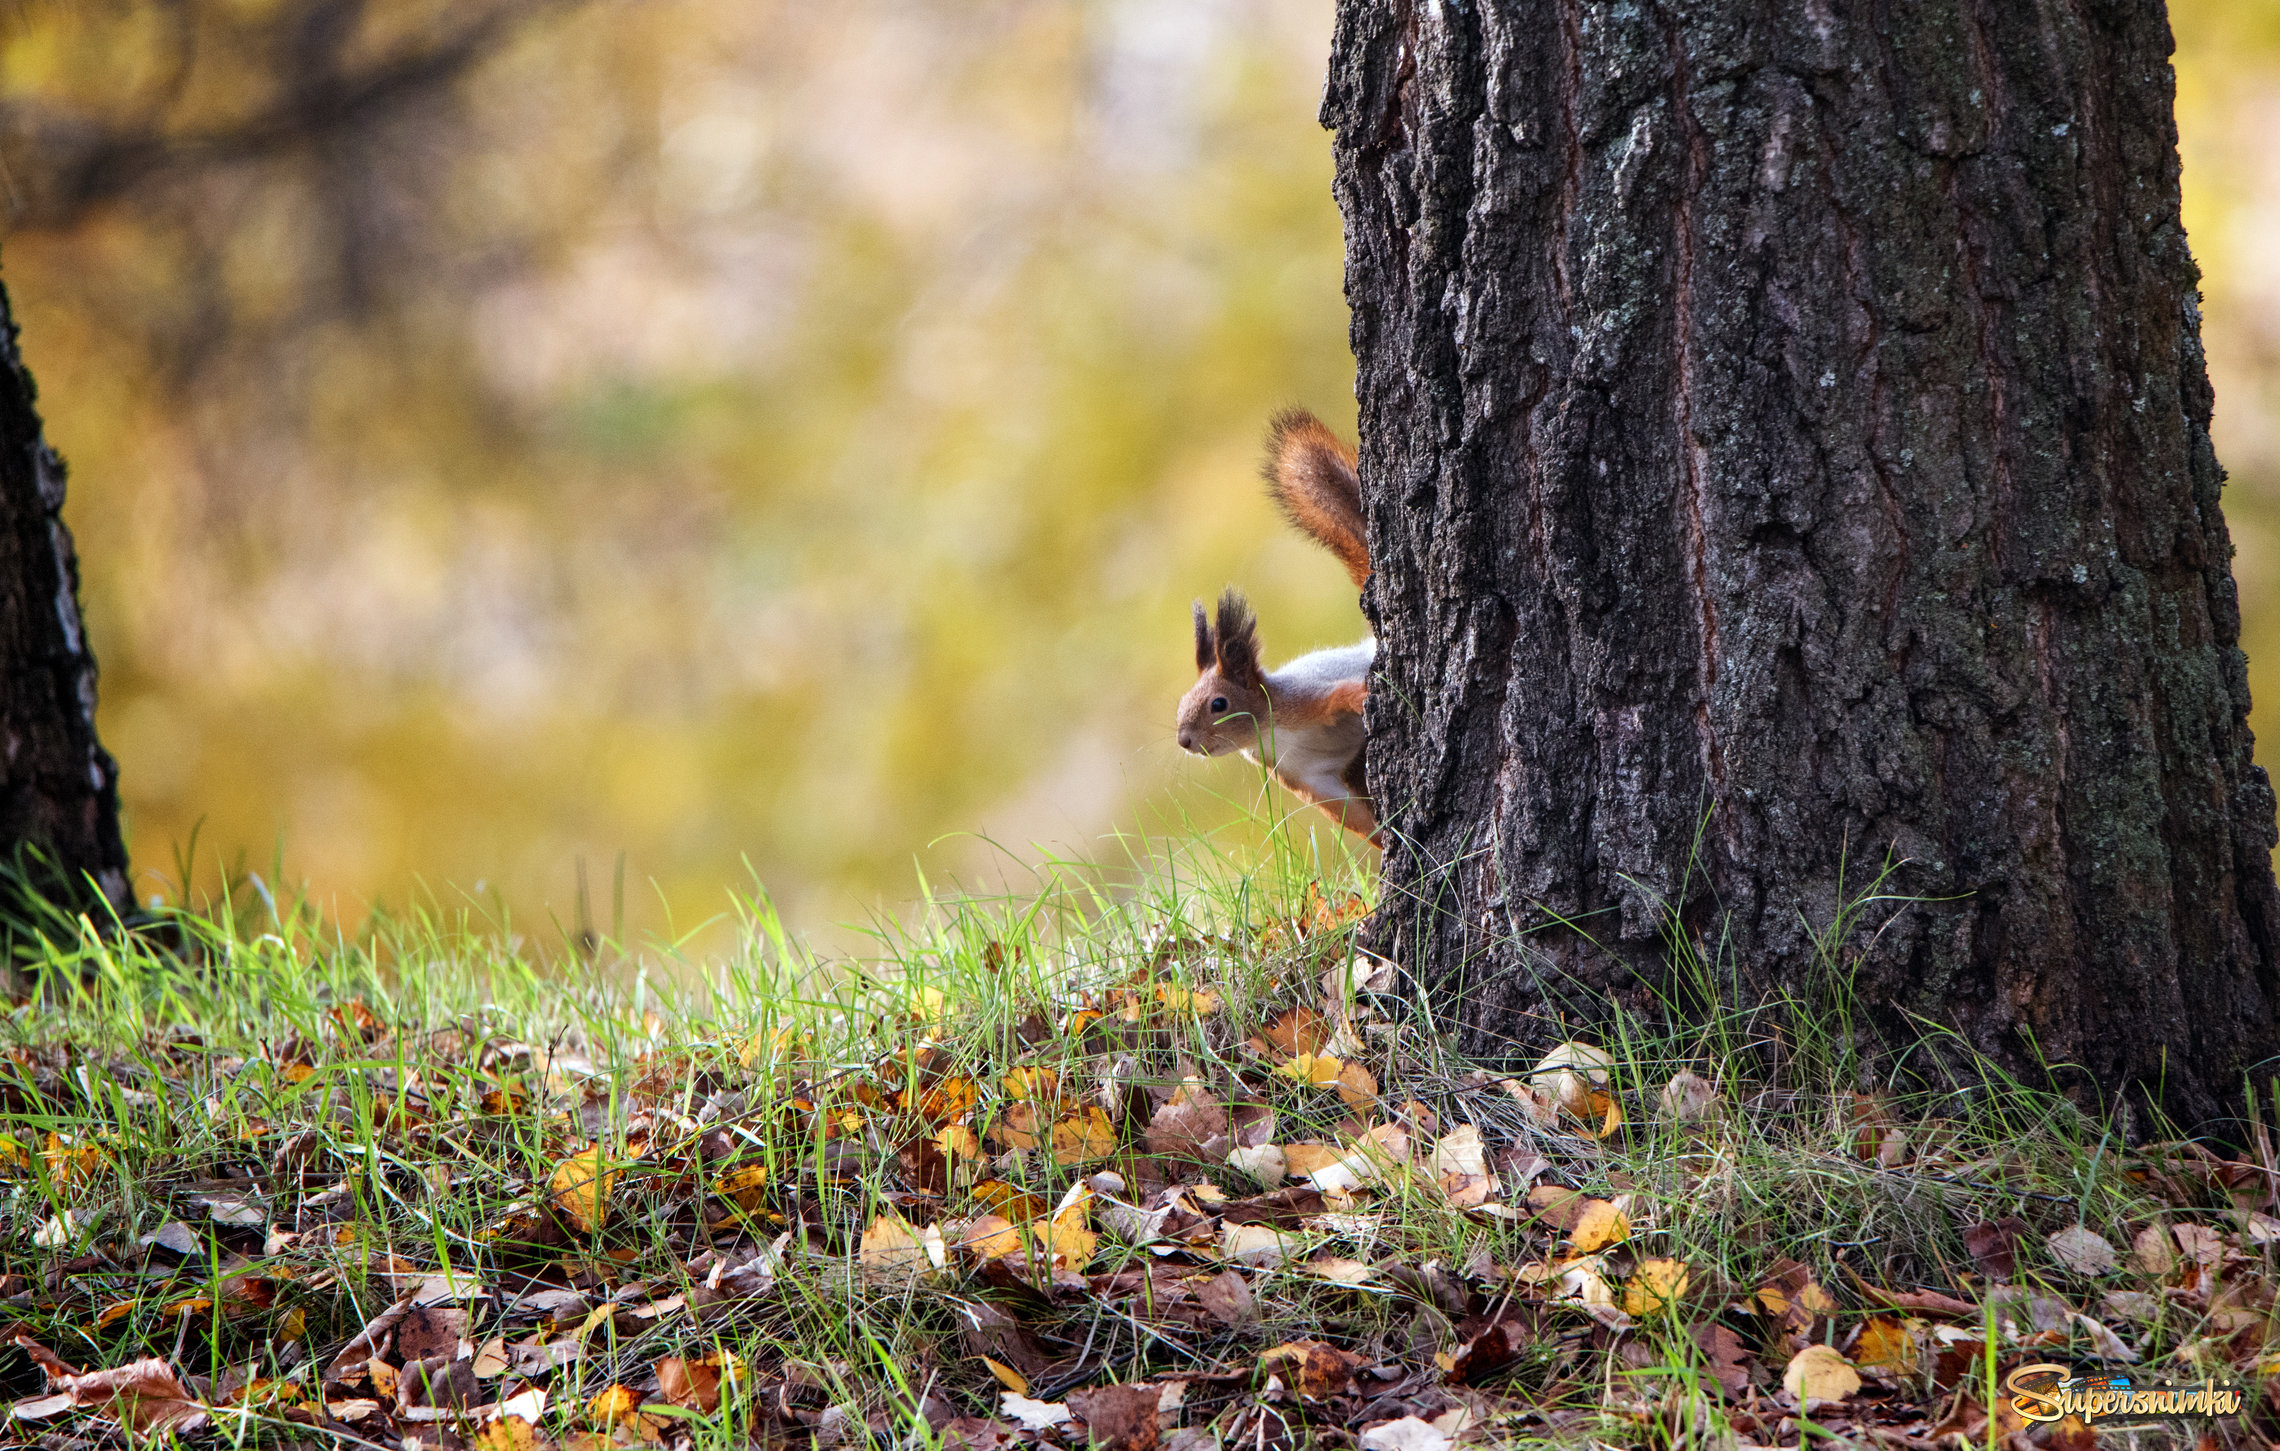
1786,443
59,793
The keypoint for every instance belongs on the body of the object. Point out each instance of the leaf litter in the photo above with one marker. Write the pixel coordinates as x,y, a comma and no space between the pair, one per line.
1151,1215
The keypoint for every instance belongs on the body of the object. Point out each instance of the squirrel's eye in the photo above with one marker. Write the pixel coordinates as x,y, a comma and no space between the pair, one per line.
1219,705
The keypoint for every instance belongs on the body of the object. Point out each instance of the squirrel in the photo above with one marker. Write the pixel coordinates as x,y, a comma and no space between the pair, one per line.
1303,722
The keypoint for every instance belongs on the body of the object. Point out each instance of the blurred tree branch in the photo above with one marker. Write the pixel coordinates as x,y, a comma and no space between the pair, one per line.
63,163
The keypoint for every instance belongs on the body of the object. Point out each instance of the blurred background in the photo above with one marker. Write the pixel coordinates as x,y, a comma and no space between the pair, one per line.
757,439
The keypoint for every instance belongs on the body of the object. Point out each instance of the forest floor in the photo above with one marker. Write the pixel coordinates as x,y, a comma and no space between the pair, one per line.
1170,1166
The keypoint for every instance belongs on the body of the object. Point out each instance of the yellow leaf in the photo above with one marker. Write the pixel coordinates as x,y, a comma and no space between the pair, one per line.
948,1099
508,1433
1087,1135
116,1311
1033,1085
1304,1158
293,1324
1202,1002
1013,1380
612,1406
1818,1373
1600,1225
1066,1237
582,1187
745,1186
1885,1341
956,1141
1656,1287
1314,1068
1357,1086
991,1237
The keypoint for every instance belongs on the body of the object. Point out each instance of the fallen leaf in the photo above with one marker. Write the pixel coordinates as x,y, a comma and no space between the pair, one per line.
1033,1415
1569,1073
2153,1251
1013,1380
1887,1344
1266,1163
1342,1271
1227,1296
2084,1251
1118,1417
1085,1135
1295,1031
613,1406
1255,1245
1407,1434
1316,1069
145,1393
691,1384
1314,1369
1687,1098
1357,1086
1191,1125
1656,1287
581,1188
1598,1226
1994,1244
891,1249
1201,1002
1818,1373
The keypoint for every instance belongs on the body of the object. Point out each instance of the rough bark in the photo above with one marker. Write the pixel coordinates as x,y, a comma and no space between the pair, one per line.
1786,441
59,794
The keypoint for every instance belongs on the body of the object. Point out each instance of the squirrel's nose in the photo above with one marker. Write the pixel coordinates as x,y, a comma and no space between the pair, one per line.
1187,742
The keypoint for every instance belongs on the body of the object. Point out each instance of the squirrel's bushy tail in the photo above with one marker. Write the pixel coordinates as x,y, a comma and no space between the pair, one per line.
1312,475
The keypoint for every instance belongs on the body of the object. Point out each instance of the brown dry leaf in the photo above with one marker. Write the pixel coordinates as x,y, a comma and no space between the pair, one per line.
1887,1343
1118,1417
1299,1030
145,1393
1022,1126
1191,1125
1559,1206
745,1186
1342,1271
1656,1287
581,1189
491,1361
1994,1244
948,1099
691,1384
1085,1135
1315,1370
1599,1225
1227,1296
1818,1373
891,1249
2084,1251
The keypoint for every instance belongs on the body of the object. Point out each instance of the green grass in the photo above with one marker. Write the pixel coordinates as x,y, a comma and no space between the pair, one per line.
396,1105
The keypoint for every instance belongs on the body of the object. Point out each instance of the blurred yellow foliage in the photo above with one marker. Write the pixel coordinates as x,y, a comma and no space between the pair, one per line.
761,439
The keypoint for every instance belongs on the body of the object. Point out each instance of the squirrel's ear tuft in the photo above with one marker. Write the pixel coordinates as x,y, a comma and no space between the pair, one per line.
1238,640
1204,653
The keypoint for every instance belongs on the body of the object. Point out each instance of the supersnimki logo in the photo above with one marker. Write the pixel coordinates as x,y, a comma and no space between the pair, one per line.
2050,1392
